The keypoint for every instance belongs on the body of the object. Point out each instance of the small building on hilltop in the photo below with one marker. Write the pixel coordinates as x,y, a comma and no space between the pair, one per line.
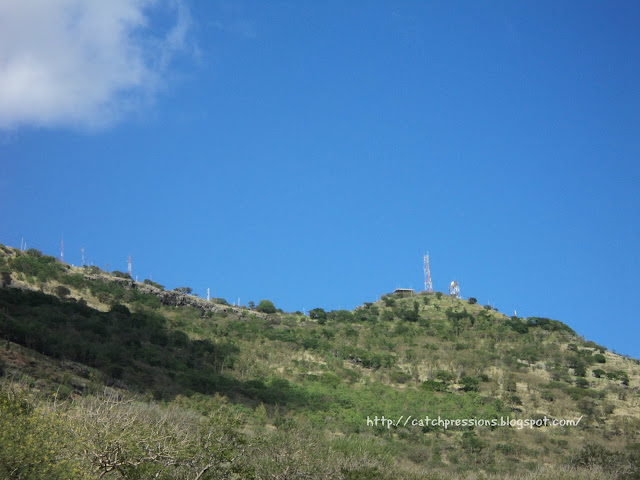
403,291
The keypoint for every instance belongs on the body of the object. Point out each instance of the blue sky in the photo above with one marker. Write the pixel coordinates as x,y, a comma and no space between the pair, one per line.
312,152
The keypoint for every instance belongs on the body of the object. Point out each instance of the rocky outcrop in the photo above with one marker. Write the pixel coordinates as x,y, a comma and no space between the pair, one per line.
167,297
171,298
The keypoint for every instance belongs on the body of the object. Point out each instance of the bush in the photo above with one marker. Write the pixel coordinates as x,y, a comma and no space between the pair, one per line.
399,377
75,280
266,306
388,301
600,358
118,274
580,371
469,384
341,316
444,376
582,382
547,395
434,385
517,326
185,290
62,291
317,314
472,301
153,284
387,316
121,309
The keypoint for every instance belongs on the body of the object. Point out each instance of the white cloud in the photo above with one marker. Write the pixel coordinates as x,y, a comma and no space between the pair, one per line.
81,63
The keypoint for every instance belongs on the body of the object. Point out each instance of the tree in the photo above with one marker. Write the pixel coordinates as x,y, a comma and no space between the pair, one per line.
469,384
266,306
252,305
185,290
62,291
472,301
317,314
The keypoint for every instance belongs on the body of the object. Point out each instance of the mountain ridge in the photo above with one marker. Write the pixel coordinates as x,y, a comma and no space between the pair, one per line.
291,378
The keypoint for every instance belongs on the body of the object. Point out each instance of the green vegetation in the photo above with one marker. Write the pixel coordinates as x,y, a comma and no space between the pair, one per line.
98,380
266,306
153,284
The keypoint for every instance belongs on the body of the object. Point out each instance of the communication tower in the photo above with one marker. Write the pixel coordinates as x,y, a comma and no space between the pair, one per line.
62,250
428,287
82,250
129,262
454,289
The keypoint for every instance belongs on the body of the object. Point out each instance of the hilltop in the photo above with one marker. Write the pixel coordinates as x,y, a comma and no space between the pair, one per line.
182,387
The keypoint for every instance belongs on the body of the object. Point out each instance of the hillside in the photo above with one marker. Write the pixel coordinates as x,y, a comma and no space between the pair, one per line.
103,376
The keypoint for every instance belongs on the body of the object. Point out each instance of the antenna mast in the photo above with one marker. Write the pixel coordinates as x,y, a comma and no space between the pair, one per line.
428,287
82,250
129,262
62,250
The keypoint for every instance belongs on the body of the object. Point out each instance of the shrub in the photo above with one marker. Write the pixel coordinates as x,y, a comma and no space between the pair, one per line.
472,301
444,376
185,290
341,316
547,395
118,274
62,291
434,385
121,309
387,316
399,377
266,306
75,280
593,455
514,400
409,315
600,358
388,301
580,371
317,314
153,284
510,385
517,326
469,384
582,382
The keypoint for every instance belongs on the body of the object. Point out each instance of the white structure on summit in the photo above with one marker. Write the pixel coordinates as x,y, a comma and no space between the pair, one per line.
454,289
428,286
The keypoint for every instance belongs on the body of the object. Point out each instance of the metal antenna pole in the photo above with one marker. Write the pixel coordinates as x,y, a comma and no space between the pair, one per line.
428,286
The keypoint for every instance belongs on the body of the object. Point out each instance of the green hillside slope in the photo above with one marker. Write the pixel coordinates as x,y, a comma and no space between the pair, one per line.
105,377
